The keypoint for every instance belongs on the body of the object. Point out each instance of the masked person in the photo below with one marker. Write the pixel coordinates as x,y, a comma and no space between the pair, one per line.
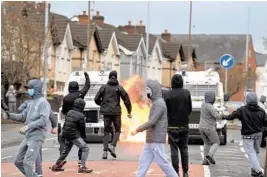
252,118
53,120
108,97
68,102
11,96
72,131
36,116
156,130
179,106
207,127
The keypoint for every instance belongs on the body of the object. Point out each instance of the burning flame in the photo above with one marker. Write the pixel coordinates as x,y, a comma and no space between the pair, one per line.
135,87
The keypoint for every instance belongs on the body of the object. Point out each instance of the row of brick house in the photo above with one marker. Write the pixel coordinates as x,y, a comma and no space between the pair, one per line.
124,49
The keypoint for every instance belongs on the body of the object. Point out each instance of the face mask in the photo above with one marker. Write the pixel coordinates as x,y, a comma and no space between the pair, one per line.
30,92
149,92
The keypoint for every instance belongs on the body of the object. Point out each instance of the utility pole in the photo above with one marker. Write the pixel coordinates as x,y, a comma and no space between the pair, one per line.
147,39
45,68
189,36
88,36
247,53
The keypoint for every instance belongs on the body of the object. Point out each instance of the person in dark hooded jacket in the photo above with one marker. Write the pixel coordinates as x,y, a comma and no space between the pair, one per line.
253,119
179,106
108,97
72,131
68,102
207,127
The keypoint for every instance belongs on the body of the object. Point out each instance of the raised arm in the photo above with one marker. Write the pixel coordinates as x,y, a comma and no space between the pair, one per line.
86,87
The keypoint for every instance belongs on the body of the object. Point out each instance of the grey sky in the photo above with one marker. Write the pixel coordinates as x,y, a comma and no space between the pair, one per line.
208,17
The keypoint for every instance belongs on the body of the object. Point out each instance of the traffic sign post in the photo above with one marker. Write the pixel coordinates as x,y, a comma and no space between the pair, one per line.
227,62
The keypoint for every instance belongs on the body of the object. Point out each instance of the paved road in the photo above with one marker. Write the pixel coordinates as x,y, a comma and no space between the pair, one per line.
231,160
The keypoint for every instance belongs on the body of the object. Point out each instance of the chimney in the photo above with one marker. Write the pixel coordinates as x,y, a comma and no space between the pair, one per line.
141,29
166,36
42,5
83,19
129,28
98,19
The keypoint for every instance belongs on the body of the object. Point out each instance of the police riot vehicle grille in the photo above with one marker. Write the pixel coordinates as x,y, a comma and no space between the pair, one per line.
91,116
199,90
194,117
94,88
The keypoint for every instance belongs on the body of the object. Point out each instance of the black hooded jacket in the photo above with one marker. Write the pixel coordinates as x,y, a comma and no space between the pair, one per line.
108,97
178,101
252,116
74,126
75,93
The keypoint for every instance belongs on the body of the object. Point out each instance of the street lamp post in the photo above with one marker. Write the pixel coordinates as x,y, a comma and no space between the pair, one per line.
189,36
45,68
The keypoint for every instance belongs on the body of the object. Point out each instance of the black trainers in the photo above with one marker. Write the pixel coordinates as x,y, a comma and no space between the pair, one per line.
253,172
111,149
205,162
105,155
85,170
210,159
259,174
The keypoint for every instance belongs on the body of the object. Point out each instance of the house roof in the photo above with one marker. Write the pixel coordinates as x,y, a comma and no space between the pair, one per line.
212,47
105,37
129,41
260,59
152,41
170,49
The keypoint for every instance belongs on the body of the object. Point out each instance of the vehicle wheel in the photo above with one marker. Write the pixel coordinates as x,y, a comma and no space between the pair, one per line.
224,132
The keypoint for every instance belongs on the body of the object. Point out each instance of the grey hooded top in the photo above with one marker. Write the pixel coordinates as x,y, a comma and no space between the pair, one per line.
36,115
52,117
208,114
156,127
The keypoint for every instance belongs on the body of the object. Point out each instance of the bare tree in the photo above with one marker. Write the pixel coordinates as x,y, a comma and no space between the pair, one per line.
22,41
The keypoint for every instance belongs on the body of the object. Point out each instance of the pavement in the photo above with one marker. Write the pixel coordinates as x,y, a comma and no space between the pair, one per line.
10,135
231,160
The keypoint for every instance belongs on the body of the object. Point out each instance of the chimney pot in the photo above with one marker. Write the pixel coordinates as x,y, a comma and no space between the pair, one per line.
140,22
129,23
97,13
84,12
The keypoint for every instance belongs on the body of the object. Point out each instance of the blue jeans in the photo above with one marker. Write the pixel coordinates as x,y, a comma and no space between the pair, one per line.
38,164
155,151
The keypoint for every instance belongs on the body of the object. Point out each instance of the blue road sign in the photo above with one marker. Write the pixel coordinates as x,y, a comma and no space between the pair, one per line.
227,61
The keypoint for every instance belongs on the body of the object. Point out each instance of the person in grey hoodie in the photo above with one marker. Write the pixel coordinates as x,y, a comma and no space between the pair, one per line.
156,130
207,127
53,120
11,95
36,116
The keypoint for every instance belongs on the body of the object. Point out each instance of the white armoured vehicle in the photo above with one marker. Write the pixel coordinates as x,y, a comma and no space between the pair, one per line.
199,82
93,119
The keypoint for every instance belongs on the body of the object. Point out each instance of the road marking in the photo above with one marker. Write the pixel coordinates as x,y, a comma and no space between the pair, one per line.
7,157
44,149
205,167
48,139
242,149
